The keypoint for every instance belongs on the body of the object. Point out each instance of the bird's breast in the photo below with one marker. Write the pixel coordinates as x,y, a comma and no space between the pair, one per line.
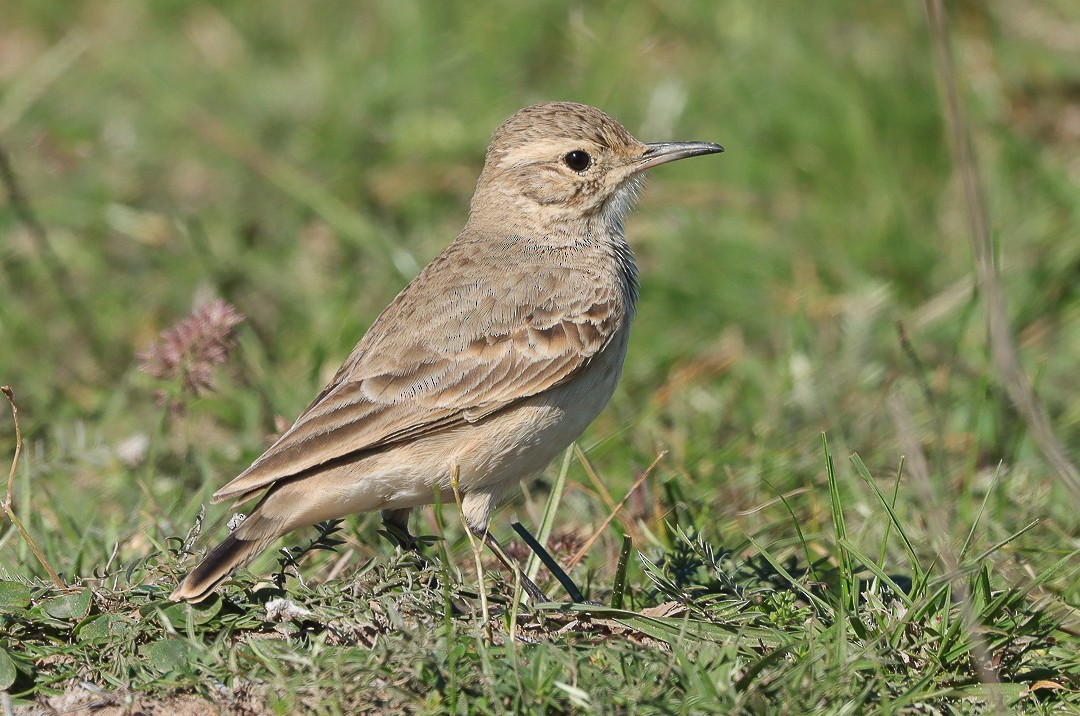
520,441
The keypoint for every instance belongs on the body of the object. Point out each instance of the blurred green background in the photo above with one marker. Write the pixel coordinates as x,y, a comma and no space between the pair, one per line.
303,160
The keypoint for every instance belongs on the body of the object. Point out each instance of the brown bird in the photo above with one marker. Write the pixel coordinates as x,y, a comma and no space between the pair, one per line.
488,364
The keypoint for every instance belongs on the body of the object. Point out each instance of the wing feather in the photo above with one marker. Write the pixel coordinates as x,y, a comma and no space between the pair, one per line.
456,345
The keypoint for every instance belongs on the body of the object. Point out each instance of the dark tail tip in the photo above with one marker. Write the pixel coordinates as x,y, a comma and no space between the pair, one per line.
221,562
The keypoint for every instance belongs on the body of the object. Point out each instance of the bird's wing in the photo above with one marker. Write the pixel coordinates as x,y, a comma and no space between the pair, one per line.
456,345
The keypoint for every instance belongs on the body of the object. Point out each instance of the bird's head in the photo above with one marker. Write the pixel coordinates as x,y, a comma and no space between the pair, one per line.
563,162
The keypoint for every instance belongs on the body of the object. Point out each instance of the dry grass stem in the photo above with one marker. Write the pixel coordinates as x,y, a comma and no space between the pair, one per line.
477,550
9,508
614,512
1003,350
918,467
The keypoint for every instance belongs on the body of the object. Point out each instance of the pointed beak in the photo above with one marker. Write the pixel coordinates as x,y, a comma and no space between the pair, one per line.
664,152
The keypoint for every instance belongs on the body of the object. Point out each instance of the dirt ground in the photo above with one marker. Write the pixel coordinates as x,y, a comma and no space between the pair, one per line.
83,701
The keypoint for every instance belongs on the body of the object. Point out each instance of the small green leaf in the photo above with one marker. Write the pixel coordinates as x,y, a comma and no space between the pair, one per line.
201,613
14,596
7,670
75,605
168,654
106,627
174,615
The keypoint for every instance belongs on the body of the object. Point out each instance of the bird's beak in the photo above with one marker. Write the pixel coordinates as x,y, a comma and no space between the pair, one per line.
664,152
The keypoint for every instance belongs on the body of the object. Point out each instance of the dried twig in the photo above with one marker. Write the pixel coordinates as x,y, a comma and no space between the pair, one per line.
7,504
615,511
1003,350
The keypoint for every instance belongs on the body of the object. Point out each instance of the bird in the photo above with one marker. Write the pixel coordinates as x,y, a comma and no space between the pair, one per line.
488,364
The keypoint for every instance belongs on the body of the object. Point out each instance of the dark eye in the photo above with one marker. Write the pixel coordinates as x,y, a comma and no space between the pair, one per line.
578,160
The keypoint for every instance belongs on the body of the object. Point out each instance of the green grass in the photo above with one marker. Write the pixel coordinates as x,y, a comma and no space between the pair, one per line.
300,161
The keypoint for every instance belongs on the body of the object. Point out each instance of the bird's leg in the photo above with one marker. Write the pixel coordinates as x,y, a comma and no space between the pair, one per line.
396,523
475,510
396,526
535,593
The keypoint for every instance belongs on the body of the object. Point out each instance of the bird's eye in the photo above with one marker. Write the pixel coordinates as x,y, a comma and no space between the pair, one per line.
578,160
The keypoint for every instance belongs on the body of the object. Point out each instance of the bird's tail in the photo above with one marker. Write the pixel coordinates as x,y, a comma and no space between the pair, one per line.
222,561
